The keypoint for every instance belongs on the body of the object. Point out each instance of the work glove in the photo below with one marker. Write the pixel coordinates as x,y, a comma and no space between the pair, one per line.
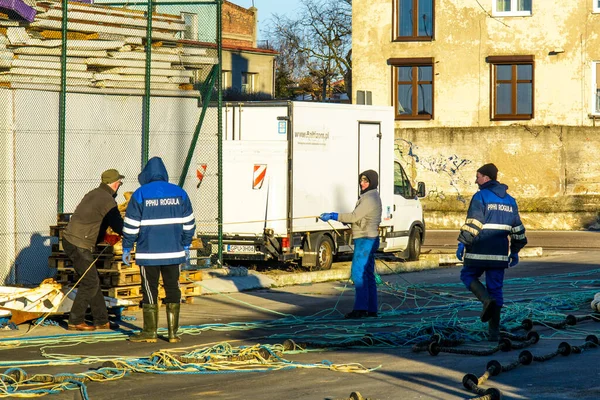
327,216
460,251
187,254
513,259
127,256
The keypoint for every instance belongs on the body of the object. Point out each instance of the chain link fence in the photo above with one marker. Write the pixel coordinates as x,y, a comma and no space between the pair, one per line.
96,94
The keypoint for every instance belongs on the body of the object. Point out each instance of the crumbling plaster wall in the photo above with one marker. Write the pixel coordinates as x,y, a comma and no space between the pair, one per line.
552,171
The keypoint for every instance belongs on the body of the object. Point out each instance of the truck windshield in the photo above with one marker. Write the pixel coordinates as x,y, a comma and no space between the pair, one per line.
402,185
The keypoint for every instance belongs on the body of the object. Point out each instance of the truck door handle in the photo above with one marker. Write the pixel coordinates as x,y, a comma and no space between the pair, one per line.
394,207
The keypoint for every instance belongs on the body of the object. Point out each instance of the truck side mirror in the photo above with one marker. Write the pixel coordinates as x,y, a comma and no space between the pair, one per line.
421,189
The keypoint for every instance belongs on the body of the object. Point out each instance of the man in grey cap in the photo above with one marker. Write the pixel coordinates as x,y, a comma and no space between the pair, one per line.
95,213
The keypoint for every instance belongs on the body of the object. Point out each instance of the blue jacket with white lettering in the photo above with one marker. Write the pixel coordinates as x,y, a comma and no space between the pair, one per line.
493,215
159,218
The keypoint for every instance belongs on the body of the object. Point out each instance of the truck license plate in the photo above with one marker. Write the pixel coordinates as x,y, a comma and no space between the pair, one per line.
239,248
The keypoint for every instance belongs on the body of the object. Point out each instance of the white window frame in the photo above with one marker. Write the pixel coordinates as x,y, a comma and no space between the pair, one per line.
193,26
594,97
595,6
251,82
513,6
226,79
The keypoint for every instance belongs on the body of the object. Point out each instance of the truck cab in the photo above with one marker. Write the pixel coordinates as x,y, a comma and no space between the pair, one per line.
407,232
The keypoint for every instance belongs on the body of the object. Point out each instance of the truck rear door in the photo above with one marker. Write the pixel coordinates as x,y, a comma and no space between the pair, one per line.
369,147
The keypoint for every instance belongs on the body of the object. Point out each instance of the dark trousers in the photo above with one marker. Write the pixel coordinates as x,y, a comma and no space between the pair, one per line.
88,289
363,274
494,280
170,276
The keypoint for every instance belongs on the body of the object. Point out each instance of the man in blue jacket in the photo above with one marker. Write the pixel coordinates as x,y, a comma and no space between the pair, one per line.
483,243
160,219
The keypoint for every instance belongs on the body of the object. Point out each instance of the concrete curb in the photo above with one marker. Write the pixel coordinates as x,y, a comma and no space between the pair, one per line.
237,279
234,284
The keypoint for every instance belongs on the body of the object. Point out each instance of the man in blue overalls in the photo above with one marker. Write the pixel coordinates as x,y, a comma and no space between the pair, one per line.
483,243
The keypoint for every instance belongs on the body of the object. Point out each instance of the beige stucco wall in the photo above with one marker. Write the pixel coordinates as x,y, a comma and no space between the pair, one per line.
550,163
464,36
256,63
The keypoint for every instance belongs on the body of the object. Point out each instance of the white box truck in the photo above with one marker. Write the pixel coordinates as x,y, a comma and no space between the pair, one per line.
285,163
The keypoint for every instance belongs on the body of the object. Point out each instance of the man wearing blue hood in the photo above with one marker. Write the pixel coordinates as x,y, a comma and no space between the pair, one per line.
160,219
483,244
365,220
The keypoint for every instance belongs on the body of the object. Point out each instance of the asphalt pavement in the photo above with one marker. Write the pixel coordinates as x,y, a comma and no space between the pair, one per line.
380,352
549,240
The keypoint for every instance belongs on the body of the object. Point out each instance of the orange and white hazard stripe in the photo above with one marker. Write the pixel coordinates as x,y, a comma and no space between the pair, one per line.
260,170
200,172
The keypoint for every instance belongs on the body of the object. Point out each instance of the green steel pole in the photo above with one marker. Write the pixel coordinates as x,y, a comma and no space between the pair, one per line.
206,93
146,110
220,129
62,108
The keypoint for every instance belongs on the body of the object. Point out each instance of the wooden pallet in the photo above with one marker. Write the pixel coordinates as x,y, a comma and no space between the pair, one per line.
134,292
103,265
132,276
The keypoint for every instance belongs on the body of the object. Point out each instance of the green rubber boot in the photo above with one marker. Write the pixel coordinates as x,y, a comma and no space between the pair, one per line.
494,325
173,321
489,304
148,334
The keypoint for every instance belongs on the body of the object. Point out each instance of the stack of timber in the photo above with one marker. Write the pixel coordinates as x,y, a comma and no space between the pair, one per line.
117,279
106,50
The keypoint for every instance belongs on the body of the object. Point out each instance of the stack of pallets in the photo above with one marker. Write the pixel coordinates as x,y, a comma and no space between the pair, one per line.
117,279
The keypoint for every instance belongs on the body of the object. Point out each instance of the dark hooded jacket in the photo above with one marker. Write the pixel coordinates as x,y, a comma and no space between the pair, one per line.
366,217
96,212
159,218
493,216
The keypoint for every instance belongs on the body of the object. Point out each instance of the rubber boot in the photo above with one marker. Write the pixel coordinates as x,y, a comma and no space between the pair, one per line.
173,321
148,334
494,325
489,304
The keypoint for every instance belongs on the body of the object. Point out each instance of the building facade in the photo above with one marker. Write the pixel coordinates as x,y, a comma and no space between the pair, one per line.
514,82
246,68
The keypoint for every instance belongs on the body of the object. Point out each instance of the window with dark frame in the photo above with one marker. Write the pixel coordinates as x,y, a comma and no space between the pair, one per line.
415,19
413,88
512,87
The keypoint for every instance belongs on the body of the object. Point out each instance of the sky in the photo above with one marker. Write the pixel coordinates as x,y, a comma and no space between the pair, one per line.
266,8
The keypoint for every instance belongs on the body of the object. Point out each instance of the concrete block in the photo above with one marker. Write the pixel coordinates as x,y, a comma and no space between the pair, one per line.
232,284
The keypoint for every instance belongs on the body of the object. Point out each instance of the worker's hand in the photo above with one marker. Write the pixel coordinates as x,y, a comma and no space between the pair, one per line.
187,254
513,259
460,251
127,256
327,216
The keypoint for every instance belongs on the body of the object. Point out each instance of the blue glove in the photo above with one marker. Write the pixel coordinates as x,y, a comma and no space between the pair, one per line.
460,251
127,256
513,259
327,216
187,254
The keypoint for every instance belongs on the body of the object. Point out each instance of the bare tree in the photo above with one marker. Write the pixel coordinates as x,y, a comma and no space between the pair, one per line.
316,45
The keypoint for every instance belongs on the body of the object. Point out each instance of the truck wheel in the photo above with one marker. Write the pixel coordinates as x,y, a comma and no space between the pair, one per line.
324,249
414,244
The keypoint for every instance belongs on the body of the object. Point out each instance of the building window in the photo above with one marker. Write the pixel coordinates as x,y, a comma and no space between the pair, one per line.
414,19
512,87
596,4
596,87
249,82
511,8
191,26
225,79
413,87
